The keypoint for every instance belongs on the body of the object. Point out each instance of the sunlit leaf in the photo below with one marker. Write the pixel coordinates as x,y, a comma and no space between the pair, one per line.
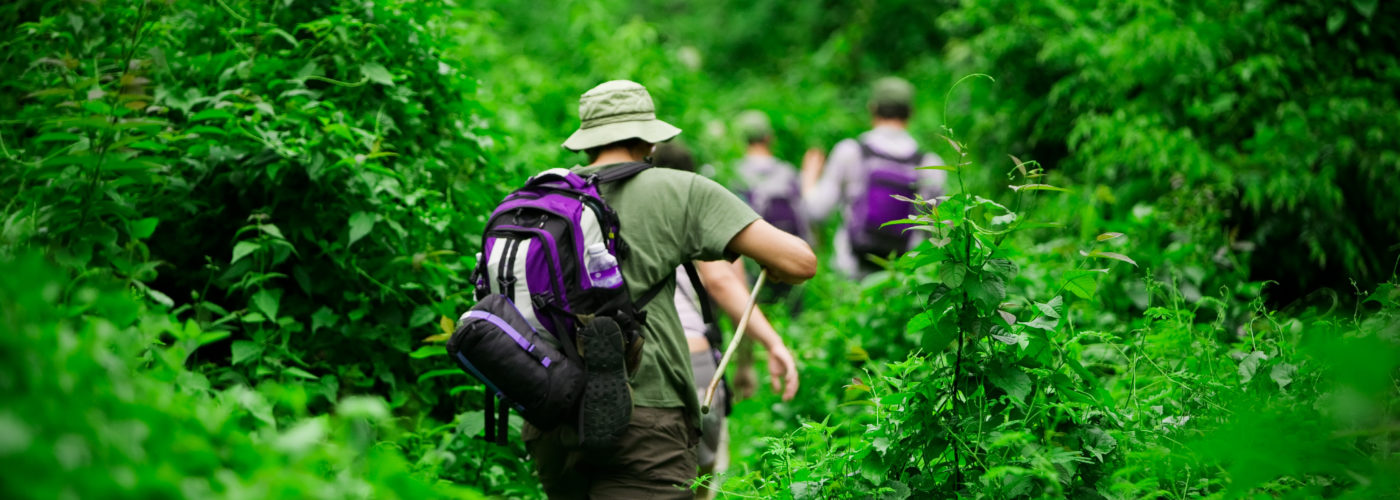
360,225
1082,283
1037,187
1107,236
377,73
428,351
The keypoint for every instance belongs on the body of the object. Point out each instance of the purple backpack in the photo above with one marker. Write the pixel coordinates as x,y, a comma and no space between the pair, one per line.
549,266
777,198
886,176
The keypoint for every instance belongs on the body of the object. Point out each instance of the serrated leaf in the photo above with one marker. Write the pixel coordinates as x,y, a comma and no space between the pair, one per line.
1107,236
377,73
1009,318
268,302
244,350
360,225
243,249
952,274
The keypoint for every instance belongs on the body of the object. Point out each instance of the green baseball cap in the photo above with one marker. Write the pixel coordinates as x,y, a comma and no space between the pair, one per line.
616,111
892,90
754,125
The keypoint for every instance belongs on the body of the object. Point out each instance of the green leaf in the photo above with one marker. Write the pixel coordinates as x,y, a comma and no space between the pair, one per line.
360,225
445,372
377,74
1051,309
143,228
422,315
938,337
1110,255
299,373
1367,8
301,437
1003,267
1282,374
211,114
988,292
323,318
1012,380
428,351
1249,365
1083,283
1107,236
923,320
952,274
244,350
243,249
1037,187
268,301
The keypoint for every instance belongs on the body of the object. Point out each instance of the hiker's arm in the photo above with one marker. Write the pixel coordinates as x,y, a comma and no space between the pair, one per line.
821,198
786,257
732,295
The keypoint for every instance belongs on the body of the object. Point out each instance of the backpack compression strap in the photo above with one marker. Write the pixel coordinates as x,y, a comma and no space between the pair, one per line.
868,152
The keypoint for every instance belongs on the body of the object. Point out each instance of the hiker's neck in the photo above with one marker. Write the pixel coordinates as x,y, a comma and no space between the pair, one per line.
759,149
618,155
899,123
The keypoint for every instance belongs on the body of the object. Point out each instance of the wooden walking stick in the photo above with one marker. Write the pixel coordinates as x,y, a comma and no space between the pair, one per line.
733,342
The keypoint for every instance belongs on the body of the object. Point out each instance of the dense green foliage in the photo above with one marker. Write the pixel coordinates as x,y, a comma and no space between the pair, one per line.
231,232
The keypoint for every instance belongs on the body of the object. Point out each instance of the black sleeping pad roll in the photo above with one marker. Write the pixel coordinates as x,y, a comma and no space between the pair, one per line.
496,344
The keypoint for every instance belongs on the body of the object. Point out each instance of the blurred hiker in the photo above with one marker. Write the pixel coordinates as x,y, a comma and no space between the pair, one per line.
863,174
725,284
666,218
770,184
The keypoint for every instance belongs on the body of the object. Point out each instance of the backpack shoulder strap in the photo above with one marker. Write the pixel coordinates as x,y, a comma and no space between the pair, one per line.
868,152
705,311
619,172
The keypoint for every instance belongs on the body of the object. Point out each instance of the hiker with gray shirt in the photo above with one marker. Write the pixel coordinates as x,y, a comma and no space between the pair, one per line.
863,173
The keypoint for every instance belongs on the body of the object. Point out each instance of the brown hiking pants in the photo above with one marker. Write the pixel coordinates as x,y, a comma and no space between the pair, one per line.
655,459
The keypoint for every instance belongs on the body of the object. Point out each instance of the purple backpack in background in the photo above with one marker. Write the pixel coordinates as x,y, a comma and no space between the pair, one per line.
776,196
549,266
886,176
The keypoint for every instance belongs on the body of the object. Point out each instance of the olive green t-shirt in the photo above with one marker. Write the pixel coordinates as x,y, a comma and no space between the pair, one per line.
668,218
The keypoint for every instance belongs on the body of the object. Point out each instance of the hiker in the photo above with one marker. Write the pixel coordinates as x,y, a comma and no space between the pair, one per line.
862,173
770,184
726,284
667,218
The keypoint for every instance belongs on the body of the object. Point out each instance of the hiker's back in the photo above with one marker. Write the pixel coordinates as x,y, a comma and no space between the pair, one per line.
772,188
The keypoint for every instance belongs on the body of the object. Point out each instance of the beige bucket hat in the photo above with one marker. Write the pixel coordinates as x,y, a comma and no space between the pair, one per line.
615,111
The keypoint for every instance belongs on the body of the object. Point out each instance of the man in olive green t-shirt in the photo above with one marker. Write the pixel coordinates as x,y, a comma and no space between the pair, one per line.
668,217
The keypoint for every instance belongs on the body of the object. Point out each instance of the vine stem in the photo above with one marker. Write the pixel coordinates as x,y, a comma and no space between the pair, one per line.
957,377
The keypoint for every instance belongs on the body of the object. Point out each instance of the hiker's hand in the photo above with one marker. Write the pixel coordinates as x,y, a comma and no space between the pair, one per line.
812,163
782,371
745,382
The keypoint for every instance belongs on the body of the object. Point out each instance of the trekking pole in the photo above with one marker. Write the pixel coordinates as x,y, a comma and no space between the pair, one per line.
733,343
